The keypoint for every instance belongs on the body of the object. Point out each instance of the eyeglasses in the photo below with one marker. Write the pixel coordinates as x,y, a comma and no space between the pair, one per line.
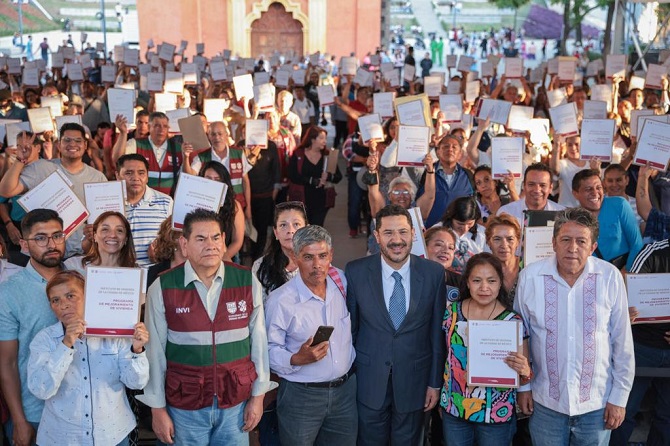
399,192
68,140
43,240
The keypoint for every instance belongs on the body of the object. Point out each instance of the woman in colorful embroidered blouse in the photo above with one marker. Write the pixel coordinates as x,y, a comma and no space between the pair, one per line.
481,415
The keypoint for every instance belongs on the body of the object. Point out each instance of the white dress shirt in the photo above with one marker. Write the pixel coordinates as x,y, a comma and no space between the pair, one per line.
581,344
388,282
83,387
293,314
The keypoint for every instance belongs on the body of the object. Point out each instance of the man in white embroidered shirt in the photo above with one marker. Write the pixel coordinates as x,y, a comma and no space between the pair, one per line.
575,308
316,402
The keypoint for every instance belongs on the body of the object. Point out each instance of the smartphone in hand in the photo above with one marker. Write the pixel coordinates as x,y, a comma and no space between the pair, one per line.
322,334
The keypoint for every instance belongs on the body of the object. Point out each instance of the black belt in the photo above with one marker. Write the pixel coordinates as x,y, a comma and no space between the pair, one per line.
331,384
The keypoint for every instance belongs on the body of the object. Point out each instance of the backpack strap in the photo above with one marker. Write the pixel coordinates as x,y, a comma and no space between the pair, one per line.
335,275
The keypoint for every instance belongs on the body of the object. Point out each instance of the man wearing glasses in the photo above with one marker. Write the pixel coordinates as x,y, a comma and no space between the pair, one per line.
24,311
23,176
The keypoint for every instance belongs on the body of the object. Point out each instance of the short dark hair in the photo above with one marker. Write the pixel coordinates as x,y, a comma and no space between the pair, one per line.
537,167
197,216
131,157
614,168
38,216
483,258
141,113
158,115
391,211
104,125
73,126
581,176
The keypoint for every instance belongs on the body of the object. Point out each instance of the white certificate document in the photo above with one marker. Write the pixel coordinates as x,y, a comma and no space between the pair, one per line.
190,73
537,243
363,77
496,109
264,96
409,71
55,193
597,139
174,116
131,57
256,133
635,121
513,67
615,65
413,145
650,295
507,156
121,102
465,63
282,77
13,129
213,109
452,60
487,69
75,72
539,131
653,146
165,101
3,128
472,89
104,197
244,86
155,81
40,119
564,119
166,51
519,118
31,77
195,192
218,71
418,242
411,112
566,69
174,82
557,97
371,127
655,73
432,86
108,74
383,104
451,106
261,78
595,110
489,343
113,300
326,94
298,77
349,66
60,120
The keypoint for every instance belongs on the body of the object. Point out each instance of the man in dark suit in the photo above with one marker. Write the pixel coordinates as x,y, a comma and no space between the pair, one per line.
396,301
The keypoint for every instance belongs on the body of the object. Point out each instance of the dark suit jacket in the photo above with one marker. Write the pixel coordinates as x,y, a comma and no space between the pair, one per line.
416,352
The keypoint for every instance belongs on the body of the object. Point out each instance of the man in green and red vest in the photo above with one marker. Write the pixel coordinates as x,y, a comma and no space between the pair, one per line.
233,159
209,350
163,153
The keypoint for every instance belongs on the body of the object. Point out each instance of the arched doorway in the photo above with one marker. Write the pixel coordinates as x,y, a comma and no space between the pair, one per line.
276,30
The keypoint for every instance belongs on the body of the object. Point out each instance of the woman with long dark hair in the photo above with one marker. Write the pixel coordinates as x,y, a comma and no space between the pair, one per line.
231,213
489,192
461,216
308,177
277,266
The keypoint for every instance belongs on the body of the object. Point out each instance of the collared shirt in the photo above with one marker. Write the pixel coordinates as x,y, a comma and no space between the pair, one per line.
83,387
581,343
159,151
154,392
293,314
197,164
145,219
24,311
388,282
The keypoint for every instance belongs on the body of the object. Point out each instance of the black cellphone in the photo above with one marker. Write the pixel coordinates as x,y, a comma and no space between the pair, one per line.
322,334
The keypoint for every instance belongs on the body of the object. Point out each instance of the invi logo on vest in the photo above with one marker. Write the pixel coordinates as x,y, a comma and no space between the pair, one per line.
181,310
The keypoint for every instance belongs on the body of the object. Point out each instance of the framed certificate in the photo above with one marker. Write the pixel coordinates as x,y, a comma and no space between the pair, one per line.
413,110
650,295
113,300
195,192
489,343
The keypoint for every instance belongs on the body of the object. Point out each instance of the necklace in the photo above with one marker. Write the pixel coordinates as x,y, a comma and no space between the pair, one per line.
495,305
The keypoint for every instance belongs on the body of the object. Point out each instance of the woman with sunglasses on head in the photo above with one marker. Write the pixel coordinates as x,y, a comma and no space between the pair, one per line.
112,244
461,216
479,415
308,176
231,213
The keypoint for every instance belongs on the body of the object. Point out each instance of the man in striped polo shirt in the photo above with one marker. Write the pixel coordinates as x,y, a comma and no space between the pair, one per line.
146,208
208,350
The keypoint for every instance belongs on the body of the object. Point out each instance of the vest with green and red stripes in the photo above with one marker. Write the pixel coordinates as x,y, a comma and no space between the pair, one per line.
161,177
208,357
236,170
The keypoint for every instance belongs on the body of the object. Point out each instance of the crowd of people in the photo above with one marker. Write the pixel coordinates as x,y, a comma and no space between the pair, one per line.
250,334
